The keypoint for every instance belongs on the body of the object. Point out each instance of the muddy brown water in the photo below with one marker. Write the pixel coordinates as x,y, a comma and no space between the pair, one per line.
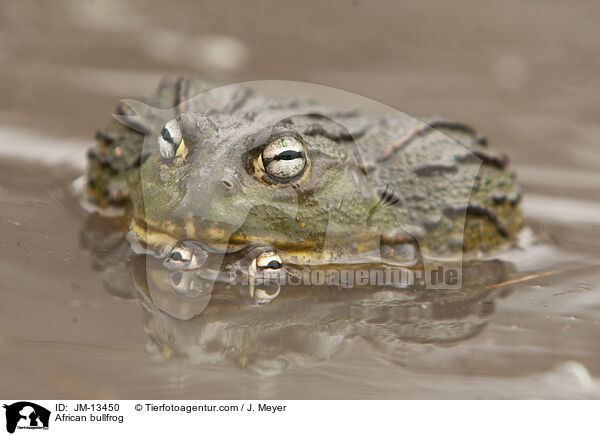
526,75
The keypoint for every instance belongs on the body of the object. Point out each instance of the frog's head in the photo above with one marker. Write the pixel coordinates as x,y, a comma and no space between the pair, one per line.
290,180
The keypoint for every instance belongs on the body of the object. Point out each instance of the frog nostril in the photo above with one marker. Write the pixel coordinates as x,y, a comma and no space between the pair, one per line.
229,185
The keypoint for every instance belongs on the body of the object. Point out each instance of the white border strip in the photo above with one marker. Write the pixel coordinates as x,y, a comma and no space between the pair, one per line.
319,417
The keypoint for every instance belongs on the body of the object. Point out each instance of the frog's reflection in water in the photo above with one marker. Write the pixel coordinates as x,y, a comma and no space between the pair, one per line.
271,328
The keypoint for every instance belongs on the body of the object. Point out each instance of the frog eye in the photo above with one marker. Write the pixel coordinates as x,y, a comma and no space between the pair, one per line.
181,257
184,257
170,140
266,262
269,260
284,158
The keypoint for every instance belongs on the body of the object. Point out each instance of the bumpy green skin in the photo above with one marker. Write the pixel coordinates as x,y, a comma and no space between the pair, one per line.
391,179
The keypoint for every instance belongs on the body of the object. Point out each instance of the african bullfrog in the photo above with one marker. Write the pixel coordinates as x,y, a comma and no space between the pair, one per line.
198,169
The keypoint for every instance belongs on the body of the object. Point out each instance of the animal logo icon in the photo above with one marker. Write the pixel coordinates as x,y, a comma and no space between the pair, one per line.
24,414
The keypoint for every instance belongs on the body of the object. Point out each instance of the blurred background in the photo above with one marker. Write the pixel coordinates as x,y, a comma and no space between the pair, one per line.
524,74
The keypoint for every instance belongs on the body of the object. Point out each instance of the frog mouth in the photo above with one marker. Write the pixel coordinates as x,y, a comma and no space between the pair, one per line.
148,239
159,241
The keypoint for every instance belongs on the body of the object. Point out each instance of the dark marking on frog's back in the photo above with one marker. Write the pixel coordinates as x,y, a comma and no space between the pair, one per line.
515,198
325,126
453,210
105,161
420,131
186,88
434,168
498,197
487,157
181,94
319,130
482,140
106,137
239,100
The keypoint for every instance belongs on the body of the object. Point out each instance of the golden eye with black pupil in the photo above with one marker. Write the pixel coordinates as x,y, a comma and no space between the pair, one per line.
183,257
170,141
266,262
269,260
284,158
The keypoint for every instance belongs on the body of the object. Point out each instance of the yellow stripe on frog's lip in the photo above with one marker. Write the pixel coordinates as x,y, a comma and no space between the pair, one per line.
161,242
156,241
